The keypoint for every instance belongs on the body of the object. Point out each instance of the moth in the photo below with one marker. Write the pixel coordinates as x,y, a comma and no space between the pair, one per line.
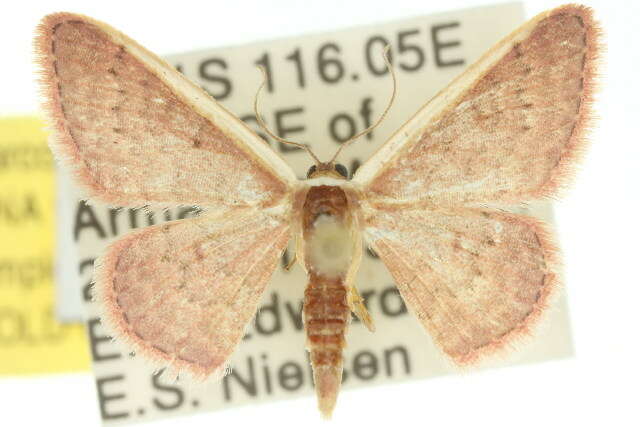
433,201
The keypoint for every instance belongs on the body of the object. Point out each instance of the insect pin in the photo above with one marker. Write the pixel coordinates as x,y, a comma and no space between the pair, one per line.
431,202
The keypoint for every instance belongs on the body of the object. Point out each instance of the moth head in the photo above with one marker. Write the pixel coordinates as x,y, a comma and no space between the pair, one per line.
330,168
333,170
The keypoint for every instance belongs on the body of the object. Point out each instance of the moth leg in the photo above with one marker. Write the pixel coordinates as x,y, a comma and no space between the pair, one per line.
291,262
356,305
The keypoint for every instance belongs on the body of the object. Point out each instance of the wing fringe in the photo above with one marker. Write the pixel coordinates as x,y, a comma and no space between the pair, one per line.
529,327
116,325
61,142
575,151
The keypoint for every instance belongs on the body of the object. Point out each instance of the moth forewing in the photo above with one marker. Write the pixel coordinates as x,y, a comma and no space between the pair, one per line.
127,123
509,129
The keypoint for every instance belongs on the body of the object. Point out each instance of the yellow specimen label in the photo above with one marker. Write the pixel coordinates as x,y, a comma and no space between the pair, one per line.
31,340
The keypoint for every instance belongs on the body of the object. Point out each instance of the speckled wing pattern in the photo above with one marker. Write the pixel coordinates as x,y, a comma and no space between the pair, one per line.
136,132
476,279
182,293
508,130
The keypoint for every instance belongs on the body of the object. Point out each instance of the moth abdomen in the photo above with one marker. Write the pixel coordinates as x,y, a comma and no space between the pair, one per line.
326,316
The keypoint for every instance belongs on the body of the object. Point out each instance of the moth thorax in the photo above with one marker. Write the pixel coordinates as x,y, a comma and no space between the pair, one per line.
329,246
327,231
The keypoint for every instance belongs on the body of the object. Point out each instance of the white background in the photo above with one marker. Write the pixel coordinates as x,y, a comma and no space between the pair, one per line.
598,223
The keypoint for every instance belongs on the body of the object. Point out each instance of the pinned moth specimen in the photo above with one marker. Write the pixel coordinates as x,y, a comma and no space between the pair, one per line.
430,202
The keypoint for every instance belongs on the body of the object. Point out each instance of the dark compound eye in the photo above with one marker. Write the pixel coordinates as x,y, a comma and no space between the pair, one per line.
342,170
311,170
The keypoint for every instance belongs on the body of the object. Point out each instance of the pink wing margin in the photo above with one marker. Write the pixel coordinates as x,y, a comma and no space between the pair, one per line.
136,132
182,293
509,130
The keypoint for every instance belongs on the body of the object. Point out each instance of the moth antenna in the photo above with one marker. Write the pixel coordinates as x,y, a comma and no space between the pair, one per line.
385,56
264,126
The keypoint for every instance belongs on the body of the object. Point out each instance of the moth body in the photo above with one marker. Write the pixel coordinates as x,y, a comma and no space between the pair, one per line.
329,250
